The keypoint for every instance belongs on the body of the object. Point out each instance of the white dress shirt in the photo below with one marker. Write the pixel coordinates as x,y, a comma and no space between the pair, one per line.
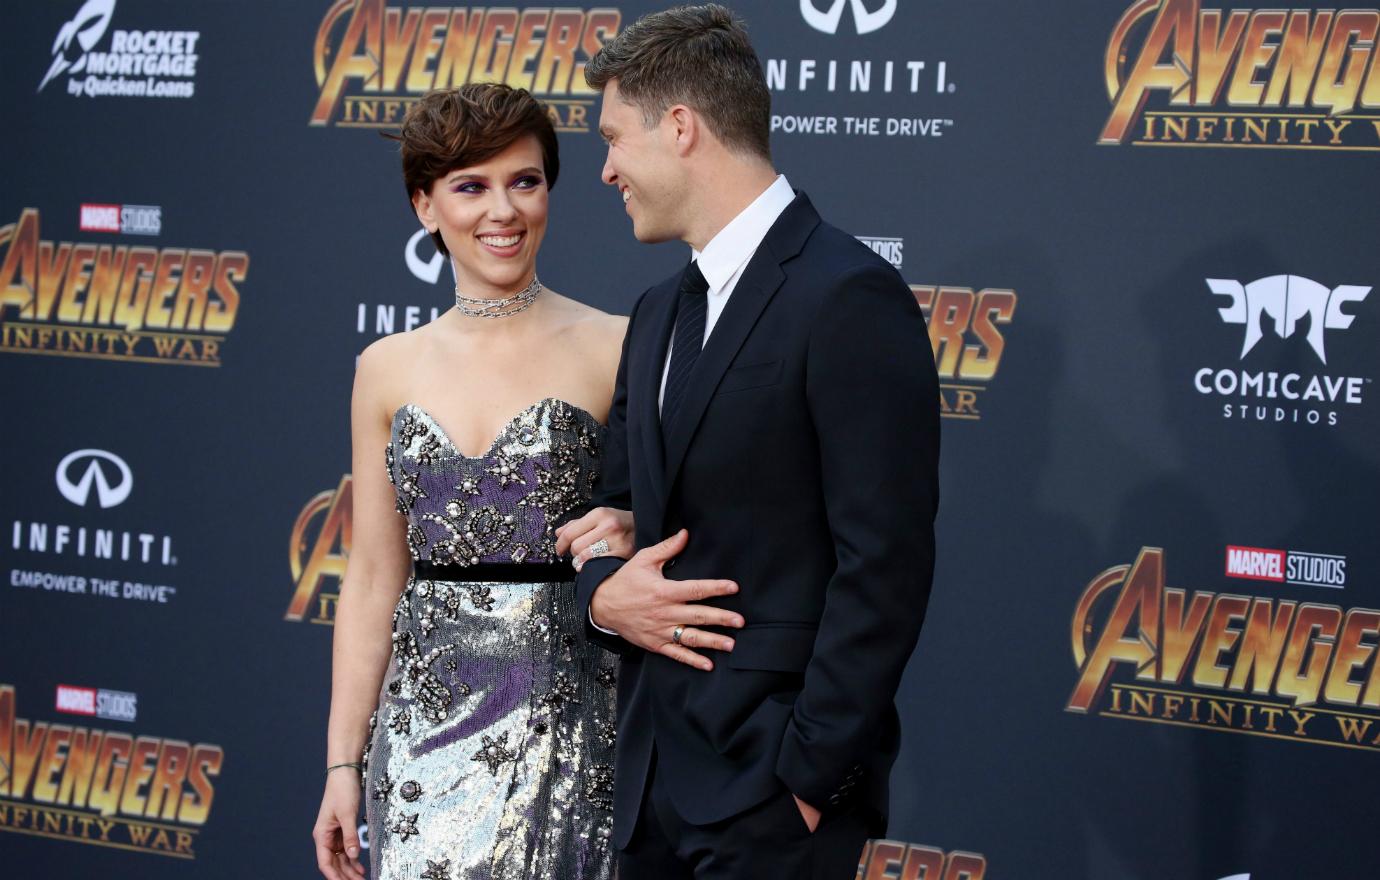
726,256
722,263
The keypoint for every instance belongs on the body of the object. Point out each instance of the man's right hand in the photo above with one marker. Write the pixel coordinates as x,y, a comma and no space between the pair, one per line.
645,608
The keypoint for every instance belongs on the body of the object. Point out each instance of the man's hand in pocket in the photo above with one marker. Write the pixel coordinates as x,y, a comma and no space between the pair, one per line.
808,813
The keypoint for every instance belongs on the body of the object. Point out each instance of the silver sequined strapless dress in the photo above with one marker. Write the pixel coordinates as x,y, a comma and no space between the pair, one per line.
491,753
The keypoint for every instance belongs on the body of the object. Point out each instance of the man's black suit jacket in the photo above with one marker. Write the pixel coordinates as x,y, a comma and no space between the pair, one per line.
803,461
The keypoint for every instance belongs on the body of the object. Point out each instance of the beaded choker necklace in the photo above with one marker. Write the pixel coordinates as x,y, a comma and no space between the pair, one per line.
498,308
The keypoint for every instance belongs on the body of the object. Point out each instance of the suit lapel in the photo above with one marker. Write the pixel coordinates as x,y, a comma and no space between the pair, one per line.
758,284
649,393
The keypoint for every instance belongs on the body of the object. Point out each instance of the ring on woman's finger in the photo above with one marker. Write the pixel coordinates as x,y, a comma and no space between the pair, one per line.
598,548
677,633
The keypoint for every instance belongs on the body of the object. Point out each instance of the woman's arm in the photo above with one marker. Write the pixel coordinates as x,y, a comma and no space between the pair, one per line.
374,578
612,522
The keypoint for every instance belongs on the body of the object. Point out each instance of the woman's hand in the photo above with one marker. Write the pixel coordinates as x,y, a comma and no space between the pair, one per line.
608,524
337,843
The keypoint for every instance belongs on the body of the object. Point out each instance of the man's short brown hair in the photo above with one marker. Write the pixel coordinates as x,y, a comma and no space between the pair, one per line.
698,56
454,128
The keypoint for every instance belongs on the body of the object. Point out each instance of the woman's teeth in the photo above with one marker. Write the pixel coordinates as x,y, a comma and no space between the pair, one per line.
500,240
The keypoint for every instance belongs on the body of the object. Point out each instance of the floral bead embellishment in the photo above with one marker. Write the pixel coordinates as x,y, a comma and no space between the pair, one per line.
437,870
405,826
383,788
494,752
562,692
507,470
409,490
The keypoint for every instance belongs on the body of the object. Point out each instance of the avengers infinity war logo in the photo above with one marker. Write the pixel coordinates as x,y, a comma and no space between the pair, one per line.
168,305
883,859
1180,75
103,787
1264,666
965,334
319,550
373,61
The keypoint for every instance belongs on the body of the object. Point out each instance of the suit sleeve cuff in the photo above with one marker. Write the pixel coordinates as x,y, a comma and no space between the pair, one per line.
592,574
601,629
800,771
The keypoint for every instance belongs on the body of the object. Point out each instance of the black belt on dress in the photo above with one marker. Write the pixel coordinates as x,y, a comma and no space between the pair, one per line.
495,572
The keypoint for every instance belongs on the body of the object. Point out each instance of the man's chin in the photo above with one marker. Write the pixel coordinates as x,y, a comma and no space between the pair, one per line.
648,235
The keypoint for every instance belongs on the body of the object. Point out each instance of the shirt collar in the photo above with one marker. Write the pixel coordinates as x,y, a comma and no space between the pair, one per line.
738,241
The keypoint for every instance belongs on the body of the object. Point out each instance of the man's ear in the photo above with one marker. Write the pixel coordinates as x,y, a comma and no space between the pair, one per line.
686,128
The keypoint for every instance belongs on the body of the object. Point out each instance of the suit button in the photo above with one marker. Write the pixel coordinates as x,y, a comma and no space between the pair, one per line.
834,800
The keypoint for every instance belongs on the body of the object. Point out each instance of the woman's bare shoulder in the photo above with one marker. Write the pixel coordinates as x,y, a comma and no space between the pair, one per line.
387,351
591,324
385,363
610,326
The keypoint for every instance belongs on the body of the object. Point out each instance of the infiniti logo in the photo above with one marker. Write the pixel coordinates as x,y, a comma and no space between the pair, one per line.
79,491
828,22
425,270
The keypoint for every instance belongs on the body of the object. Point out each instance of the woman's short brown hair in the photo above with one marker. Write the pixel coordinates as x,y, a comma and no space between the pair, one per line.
448,129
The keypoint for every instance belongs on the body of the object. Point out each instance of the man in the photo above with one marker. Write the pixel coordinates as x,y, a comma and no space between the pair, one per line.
775,432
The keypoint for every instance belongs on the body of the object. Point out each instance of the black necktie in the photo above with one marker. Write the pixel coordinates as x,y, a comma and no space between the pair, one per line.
687,340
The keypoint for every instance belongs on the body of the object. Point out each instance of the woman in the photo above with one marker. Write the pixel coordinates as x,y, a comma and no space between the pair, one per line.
476,440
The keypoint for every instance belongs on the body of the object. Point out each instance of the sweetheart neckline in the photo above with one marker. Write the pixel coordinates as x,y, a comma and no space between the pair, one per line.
445,435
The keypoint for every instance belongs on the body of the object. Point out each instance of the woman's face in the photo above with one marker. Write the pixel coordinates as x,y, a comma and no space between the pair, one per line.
492,217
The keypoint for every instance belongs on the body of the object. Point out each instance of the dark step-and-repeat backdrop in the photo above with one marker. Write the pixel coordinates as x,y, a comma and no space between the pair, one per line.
1146,237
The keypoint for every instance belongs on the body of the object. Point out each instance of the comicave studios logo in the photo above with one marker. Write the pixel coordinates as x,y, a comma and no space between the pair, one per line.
135,63
1288,301
828,19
